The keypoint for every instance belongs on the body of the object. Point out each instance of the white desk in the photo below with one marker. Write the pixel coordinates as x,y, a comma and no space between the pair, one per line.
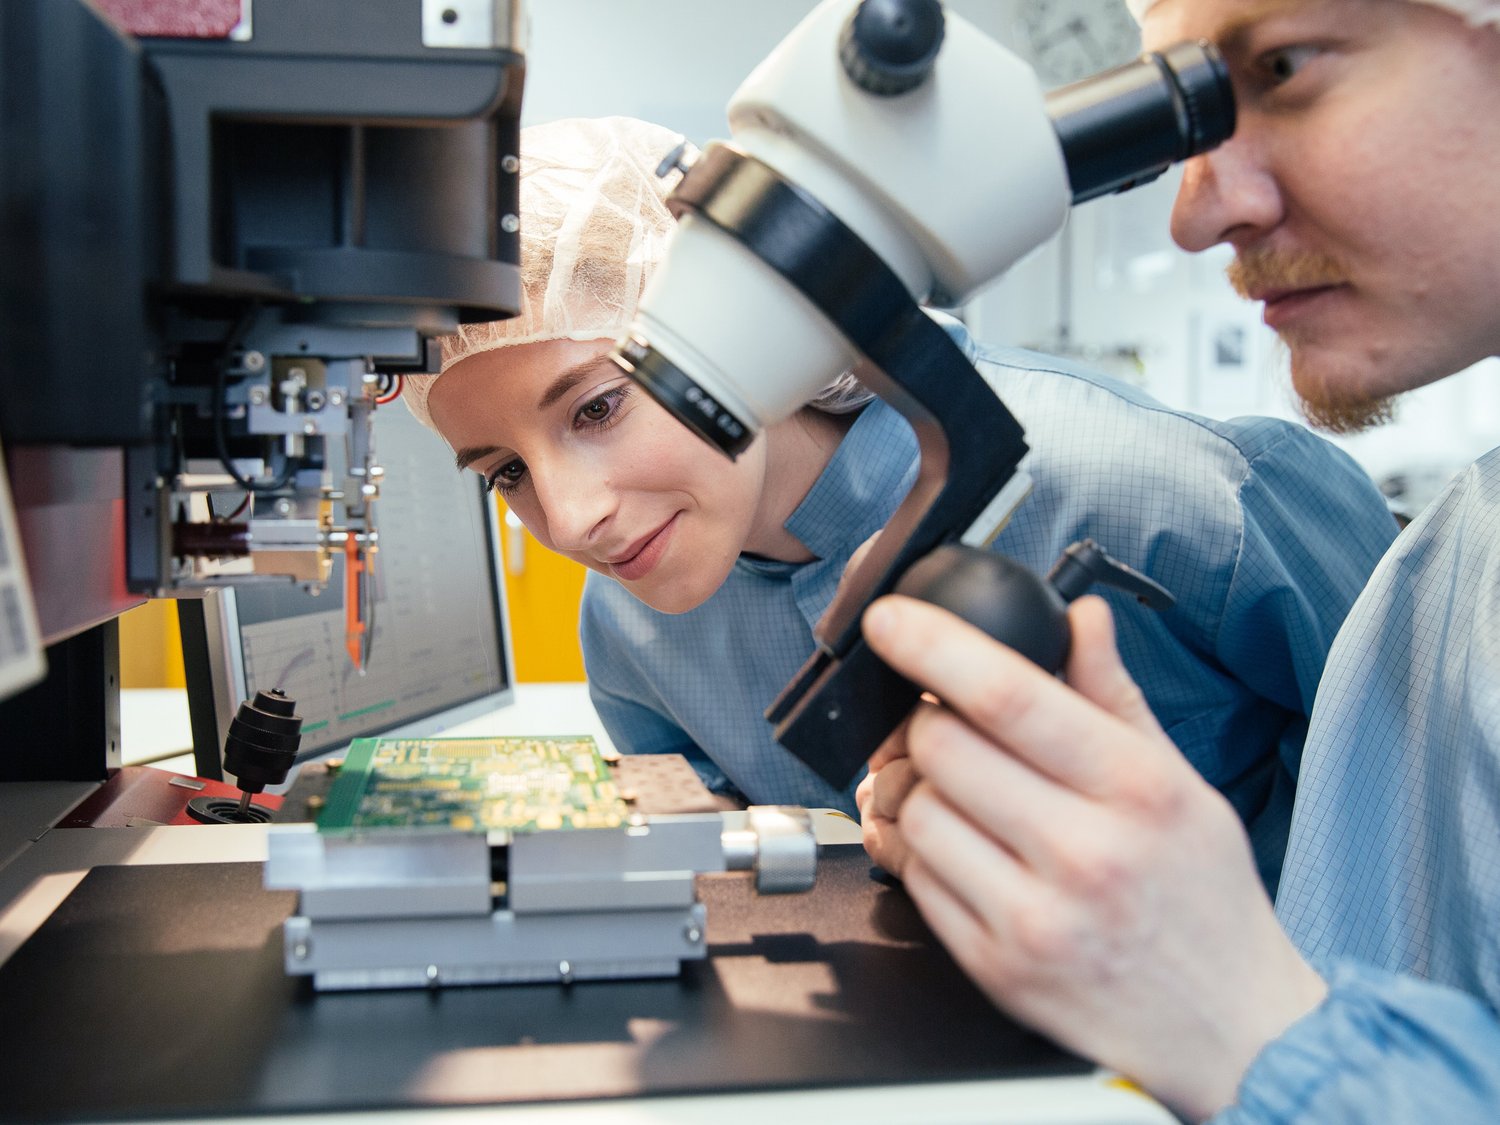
45,869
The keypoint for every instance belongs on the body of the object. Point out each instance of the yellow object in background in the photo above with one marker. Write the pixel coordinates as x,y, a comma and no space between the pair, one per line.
542,590
150,646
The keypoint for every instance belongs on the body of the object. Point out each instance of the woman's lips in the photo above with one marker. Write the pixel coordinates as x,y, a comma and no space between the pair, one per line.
644,561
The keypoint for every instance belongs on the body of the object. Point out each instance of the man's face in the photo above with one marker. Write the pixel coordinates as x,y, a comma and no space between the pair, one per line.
598,472
1357,189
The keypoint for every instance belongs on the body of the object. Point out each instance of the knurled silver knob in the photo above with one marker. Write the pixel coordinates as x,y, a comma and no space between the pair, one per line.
778,841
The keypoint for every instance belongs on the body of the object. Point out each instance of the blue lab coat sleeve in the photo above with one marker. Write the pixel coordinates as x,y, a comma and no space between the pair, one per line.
1381,1048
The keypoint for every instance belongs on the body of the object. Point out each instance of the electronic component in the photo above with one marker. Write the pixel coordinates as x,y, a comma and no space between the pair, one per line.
302,198
473,784
484,860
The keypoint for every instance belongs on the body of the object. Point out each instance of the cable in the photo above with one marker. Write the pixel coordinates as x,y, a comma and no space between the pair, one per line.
395,383
239,511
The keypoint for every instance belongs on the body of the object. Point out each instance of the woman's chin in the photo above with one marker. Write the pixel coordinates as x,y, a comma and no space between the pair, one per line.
670,601
673,596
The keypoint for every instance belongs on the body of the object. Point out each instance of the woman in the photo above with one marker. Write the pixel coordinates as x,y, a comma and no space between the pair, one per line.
710,574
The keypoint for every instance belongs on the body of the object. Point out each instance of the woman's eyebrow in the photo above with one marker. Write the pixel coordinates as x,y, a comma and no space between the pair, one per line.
466,457
560,386
569,379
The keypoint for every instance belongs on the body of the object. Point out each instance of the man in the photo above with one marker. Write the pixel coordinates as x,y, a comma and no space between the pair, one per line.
1075,866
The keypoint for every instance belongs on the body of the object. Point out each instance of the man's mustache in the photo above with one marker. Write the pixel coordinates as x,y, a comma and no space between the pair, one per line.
1258,269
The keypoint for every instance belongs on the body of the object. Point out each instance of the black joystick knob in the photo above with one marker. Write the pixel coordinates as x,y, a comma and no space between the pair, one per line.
259,750
262,741
888,47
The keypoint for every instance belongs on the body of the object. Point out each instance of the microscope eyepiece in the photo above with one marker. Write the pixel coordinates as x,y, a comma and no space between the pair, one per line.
683,397
1126,126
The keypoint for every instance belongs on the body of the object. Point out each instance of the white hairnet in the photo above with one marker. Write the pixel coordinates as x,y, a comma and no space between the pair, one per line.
1476,12
593,227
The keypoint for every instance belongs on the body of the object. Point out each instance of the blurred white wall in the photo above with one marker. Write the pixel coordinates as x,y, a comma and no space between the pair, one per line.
1112,288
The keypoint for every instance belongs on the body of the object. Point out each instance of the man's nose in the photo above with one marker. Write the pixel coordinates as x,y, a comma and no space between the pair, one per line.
1227,195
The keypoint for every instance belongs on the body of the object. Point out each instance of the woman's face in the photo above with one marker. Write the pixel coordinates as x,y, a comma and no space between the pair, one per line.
598,472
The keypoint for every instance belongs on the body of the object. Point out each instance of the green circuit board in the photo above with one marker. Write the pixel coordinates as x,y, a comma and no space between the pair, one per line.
473,784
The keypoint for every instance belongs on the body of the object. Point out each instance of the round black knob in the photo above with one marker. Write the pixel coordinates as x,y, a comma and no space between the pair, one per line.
999,595
262,742
889,46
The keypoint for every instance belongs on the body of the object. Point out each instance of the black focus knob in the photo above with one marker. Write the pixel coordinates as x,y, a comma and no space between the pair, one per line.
1009,602
889,46
262,742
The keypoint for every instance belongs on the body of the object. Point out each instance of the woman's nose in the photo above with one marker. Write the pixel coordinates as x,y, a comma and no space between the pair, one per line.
577,502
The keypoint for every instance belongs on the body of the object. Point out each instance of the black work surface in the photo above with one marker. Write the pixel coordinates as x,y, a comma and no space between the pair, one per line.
159,990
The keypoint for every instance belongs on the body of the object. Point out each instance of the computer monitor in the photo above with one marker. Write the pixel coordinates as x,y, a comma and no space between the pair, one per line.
440,652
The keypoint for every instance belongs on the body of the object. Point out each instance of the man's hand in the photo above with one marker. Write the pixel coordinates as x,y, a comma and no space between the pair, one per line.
879,797
1074,863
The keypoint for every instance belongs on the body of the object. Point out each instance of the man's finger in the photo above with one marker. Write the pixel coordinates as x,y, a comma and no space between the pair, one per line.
1003,695
1095,669
1006,798
891,785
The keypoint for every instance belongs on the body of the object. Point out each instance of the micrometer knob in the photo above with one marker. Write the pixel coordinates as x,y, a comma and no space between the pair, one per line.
888,47
778,842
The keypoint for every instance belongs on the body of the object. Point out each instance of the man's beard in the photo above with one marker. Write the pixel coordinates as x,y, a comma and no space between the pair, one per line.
1327,401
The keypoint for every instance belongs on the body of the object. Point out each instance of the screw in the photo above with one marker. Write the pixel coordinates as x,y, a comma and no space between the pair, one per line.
509,224
509,164
336,398
693,934
302,949
565,972
315,400
254,361
257,396
674,161
283,507
432,975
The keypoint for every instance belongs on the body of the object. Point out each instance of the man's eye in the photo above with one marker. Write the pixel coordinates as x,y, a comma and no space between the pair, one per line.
1283,64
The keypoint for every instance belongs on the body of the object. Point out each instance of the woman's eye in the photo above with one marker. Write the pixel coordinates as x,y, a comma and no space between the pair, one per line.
602,410
506,477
